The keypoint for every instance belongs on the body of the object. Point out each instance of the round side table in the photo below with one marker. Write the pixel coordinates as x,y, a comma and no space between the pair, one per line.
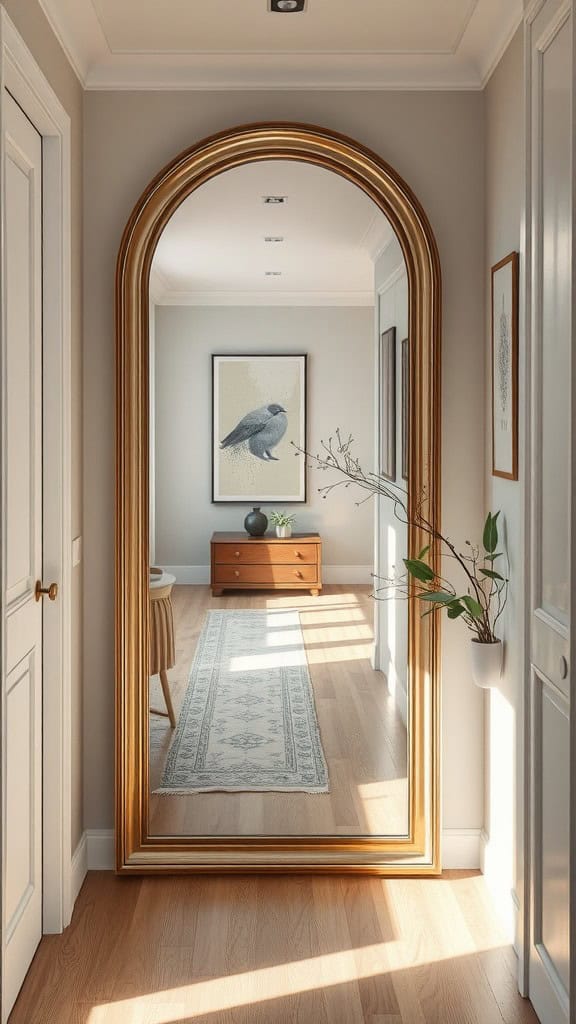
162,652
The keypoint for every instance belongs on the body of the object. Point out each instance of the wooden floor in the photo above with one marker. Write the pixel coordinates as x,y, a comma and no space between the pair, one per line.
363,736
276,951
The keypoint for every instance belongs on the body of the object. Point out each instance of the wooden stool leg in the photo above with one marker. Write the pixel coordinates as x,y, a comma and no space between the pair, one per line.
168,697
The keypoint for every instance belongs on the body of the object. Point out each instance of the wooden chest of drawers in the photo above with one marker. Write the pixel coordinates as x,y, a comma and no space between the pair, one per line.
240,562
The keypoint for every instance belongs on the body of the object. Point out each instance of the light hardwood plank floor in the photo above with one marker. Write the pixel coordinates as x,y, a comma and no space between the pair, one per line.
363,736
266,950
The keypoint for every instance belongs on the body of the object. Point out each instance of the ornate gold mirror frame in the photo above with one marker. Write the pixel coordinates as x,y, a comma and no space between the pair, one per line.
136,850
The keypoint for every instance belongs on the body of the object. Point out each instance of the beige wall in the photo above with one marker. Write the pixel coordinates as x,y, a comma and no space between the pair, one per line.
37,34
339,345
435,140
504,201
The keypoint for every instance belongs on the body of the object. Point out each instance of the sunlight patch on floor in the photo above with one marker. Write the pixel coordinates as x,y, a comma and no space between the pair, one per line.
218,995
256,662
386,800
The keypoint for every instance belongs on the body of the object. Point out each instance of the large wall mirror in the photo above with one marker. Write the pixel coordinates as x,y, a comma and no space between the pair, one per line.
278,323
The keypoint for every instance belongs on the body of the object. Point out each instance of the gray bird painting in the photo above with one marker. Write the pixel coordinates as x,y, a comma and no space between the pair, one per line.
262,428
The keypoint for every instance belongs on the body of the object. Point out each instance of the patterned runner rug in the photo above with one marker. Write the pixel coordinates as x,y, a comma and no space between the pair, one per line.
248,720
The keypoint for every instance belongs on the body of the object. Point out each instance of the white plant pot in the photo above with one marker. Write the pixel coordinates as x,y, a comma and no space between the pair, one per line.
486,663
283,531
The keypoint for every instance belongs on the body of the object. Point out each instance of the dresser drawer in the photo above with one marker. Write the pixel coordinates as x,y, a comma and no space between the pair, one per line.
262,574
264,553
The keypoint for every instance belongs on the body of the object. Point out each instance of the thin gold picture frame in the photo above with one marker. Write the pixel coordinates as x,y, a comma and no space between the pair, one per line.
512,262
137,851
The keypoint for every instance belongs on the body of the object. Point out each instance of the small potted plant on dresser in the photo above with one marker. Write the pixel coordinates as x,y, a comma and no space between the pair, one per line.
283,523
482,589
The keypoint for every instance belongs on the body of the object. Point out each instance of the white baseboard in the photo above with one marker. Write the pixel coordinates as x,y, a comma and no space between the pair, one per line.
95,851
191,575
401,700
347,574
101,852
499,883
199,575
461,848
79,868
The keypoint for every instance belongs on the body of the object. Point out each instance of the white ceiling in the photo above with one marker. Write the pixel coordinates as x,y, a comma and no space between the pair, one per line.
239,43
213,250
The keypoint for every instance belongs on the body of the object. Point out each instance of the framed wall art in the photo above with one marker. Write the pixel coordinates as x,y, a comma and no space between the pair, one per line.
405,408
505,367
258,415
388,404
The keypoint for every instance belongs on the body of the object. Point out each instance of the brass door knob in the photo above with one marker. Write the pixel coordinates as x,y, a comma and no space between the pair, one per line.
51,591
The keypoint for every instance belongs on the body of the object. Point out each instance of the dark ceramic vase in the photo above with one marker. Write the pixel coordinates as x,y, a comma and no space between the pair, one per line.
256,523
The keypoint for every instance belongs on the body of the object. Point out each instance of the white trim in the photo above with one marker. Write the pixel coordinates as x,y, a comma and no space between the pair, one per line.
100,849
501,44
79,867
524,781
505,906
26,82
188,298
392,278
77,39
199,575
401,701
466,64
461,848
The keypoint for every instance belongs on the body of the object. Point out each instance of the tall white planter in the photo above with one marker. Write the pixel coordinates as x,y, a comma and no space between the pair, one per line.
486,663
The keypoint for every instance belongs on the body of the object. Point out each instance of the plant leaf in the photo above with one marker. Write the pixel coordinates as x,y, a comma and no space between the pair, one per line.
492,558
492,574
420,570
440,596
490,537
473,606
424,552
455,609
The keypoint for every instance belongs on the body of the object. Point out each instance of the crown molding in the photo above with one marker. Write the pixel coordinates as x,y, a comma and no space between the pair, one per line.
484,37
500,47
168,297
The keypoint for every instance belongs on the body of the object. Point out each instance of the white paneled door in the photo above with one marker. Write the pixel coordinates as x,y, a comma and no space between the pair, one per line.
21,552
551,484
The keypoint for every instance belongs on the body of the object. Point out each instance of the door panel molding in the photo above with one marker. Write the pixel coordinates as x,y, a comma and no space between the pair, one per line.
23,79
549,330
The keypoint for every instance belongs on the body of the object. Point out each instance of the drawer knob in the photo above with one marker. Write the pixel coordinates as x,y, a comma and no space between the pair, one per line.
298,554
298,573
236,572
237,554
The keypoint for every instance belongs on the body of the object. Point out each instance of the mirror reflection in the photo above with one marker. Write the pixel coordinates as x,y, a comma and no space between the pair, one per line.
279,352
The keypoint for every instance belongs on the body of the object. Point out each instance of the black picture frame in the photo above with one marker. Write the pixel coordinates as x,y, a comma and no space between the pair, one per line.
388,404
261,497
405,386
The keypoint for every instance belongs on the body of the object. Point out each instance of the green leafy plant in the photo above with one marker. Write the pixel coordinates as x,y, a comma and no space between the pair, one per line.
282,518
482,591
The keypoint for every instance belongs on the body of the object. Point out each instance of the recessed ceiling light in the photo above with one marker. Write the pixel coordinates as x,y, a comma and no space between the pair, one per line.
287,6
273,238
273,273
274,200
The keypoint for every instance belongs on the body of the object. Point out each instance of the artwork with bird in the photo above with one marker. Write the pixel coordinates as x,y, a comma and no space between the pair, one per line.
260,430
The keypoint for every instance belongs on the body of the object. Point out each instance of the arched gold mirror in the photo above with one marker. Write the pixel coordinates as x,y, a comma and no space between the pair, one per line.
276,282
